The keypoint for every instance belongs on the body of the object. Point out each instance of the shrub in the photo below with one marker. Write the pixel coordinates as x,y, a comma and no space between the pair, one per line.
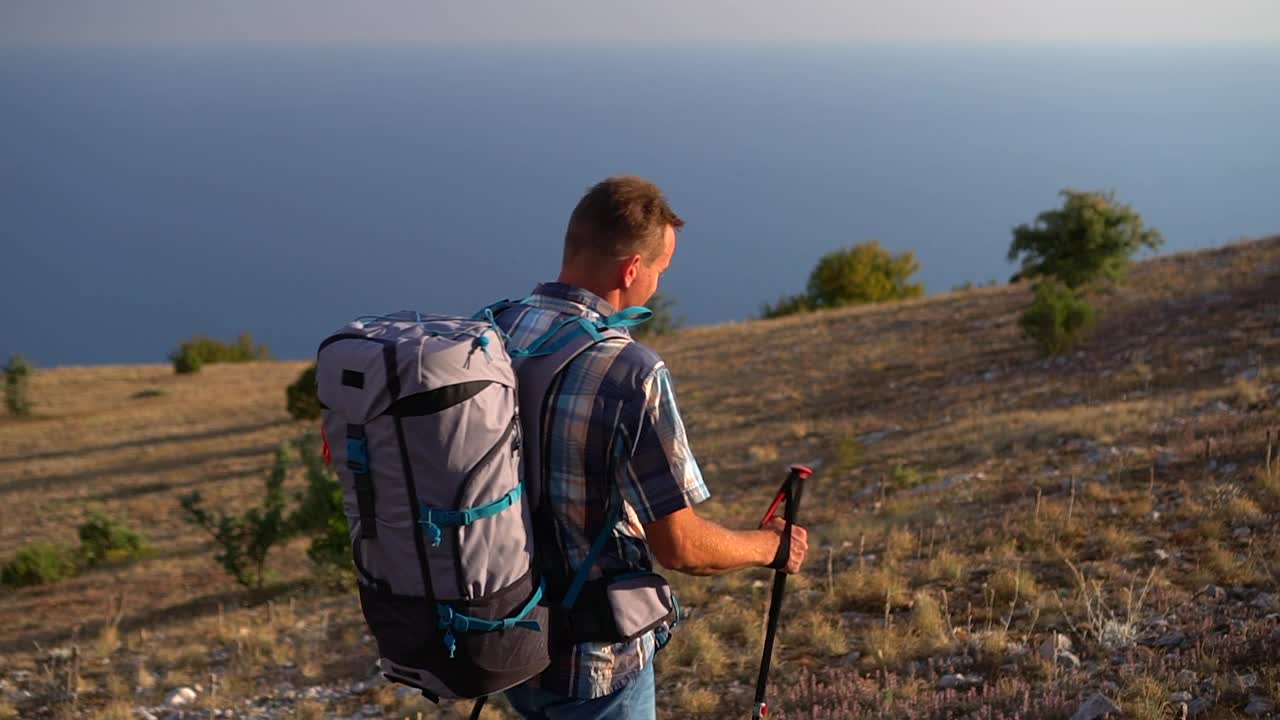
319,513
1057,320
301,399
199,351
39,563
186,361
17,378
105,539
664,320
1090,237
864,273
790,305
245,540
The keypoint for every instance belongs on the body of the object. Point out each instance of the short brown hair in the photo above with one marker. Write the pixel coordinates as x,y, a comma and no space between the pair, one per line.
620,217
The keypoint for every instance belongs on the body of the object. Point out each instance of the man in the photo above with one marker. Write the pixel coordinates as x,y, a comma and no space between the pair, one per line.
612,427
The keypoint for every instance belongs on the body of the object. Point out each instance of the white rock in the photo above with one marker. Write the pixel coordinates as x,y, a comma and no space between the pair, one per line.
959,681
1097,706
1054,644
181,696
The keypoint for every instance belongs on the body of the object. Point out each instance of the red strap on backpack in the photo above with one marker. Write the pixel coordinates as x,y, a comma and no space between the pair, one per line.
324,448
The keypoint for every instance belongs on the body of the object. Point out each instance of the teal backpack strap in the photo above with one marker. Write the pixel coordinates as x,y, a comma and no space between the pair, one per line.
629,317
597,547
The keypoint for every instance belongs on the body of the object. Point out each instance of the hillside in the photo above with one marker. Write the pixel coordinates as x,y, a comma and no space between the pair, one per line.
974,502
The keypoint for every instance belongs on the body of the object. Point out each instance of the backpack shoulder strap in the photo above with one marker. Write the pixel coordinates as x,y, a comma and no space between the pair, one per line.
538,366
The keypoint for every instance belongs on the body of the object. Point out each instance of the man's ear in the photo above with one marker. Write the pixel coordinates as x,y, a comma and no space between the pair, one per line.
629,268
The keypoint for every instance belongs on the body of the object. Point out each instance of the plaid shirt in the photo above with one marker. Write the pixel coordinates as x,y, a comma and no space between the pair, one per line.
613,426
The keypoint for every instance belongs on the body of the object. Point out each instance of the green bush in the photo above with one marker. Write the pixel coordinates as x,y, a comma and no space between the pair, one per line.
105,539
789,305
1057,319
17,380
1091,237
186,361
244,540
864,273
664,320
320,512
39,563
199,351
301,399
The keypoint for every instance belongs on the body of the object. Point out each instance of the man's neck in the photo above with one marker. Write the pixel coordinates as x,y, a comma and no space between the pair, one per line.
612,296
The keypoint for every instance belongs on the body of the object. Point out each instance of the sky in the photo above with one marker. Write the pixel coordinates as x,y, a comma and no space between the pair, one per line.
186,23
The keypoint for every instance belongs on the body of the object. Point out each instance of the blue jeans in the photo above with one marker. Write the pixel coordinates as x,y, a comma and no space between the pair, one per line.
633,702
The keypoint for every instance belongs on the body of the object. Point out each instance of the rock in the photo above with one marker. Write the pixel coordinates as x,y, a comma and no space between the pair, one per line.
1198,706
1165,458
181,696
144,715
371,710
872,438
1169,639
1211,594
1266,602
1243,683
959,681
1054,644
1096,707
1187,678
1067,659
1181,696
1259,706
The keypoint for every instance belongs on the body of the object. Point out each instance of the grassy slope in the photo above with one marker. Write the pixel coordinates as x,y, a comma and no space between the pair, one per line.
1001,476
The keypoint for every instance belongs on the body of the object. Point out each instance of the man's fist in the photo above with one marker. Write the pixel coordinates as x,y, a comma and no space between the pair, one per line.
795,549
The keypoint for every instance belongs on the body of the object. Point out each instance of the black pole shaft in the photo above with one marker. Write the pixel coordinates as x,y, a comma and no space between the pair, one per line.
775,601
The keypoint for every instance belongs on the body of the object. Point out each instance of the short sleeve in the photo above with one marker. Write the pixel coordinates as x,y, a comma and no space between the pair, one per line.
661,475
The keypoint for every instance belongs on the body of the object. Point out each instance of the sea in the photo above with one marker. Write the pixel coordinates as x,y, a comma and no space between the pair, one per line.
148,195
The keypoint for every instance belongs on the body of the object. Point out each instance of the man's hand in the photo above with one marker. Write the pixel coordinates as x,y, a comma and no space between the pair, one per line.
799,543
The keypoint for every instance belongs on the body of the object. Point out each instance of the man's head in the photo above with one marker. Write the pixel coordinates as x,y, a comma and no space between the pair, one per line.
620,240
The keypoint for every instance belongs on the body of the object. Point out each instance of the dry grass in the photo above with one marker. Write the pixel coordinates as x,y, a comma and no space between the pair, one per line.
870,590
816,632
1145,697
697,701
697,648
944,388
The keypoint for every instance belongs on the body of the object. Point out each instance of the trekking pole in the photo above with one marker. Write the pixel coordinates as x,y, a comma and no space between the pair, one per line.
790,492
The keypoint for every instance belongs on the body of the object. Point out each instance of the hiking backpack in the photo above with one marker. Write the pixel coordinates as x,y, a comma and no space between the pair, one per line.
440,474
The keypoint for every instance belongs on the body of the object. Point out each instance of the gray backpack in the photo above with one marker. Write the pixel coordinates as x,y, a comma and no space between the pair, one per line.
422,417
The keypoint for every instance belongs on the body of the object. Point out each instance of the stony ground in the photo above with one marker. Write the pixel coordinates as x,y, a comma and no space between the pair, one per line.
995,534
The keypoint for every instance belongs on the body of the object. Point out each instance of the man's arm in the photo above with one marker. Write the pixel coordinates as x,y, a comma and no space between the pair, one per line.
687,543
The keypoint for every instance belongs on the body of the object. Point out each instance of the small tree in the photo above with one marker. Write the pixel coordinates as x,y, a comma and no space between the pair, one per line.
864,273
1090,237
664,320
301,399
17,379
1057,319
244,540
